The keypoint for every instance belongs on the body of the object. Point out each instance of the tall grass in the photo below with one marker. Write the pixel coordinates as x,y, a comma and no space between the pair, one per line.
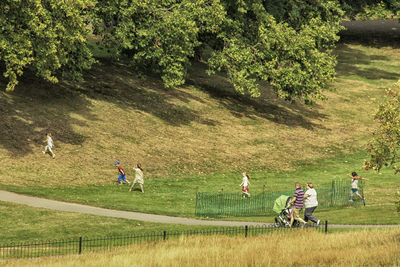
361,248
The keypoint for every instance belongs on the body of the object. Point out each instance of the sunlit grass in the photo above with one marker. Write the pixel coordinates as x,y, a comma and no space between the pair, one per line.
361,248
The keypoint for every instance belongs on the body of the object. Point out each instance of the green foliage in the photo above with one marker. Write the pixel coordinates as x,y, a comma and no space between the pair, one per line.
49,37
159,34
384,147
293,54
398,201
370,9
289,48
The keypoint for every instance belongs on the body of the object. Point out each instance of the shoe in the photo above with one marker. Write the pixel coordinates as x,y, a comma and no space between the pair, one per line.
350,200
318,222
43,152
54,156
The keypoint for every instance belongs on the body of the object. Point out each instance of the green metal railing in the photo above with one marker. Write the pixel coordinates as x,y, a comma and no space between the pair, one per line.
233,204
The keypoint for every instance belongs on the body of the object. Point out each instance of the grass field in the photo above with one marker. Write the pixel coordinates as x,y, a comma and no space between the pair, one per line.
361,248
198,137
20,223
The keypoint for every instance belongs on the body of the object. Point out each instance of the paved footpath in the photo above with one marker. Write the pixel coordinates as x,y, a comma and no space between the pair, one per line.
72,207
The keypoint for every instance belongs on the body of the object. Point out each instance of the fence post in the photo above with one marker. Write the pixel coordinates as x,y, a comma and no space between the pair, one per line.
197,196
246,228
332,192
80,245
326,227
164,235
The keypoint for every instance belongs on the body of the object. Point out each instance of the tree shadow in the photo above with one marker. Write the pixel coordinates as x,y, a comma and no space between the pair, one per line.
119,84
267,106
35,108
350,61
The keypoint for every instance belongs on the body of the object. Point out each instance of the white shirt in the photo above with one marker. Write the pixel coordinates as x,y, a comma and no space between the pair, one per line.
138,175
245,181
354,183
311,201
49,141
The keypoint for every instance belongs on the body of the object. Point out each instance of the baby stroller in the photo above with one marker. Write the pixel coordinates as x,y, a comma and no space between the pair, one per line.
284,212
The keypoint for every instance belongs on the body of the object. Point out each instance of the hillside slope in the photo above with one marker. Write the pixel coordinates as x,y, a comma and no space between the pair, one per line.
202,127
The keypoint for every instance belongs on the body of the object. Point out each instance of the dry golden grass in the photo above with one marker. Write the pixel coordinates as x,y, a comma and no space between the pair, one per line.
360,248
197,129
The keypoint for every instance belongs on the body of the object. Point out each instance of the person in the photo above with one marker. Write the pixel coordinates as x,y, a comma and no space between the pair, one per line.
122,174
138,177
245,184
49,146
310,204
297,202
354,185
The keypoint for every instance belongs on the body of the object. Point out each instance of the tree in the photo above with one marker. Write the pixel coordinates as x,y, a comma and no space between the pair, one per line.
286,44
384,146
369,8
48,37
160,35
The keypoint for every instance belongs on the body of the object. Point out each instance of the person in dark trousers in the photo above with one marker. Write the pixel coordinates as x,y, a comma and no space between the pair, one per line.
297,202
310,204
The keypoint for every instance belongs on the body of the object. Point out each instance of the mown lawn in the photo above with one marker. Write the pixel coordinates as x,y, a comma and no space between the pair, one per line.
176,197
196,138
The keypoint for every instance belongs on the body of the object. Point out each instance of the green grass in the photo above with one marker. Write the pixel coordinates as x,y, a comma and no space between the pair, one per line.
197,137
176,197
20,223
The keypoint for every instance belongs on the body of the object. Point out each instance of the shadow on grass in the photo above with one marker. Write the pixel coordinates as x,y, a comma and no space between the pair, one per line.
267,106
350,60
35,108
119,84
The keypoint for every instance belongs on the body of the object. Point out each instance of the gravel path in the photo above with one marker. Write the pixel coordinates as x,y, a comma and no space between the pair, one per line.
72,207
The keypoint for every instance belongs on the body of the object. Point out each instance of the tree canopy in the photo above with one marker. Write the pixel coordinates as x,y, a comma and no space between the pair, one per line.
369,8
286,44
384,146
49,37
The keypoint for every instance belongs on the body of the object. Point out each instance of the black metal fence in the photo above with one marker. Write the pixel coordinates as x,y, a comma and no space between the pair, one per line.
85,244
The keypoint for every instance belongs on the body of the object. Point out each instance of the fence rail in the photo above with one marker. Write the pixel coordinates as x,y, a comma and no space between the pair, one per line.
233,204
84,244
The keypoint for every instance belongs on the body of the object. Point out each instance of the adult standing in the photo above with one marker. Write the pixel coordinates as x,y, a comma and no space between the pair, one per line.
297,202
245,184
49,146
310,204
138,177
354,186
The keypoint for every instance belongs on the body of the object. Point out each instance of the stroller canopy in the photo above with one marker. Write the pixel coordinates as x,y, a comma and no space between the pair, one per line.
280,203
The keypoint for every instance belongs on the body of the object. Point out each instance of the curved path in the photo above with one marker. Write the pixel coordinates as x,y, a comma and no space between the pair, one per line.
72,207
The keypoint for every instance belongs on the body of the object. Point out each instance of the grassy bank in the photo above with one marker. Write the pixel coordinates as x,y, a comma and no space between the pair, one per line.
362,248
201,128
20,223
198,137
176,196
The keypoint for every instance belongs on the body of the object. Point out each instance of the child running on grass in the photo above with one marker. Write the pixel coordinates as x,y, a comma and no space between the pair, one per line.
245,185
49,146
122,174
354,186
138,177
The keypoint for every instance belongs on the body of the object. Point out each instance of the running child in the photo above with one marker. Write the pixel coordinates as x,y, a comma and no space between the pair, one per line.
354,186
122,174
245,185
49,146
